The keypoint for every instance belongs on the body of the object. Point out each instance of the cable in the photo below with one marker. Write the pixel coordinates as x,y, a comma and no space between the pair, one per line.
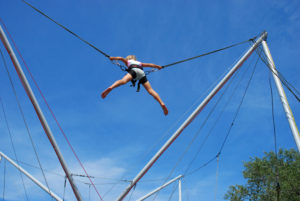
186,112
214,124
110,189
194,138
173,191
131,193
89,192
219,116
202,166
188,147
198,132
52,113
4,180
13,147
289,86
208,53
65,185
68,30
239,107
275,141
217,176
229,130
25,122
273,118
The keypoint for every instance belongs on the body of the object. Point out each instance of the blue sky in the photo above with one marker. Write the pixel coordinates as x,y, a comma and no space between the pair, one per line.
115,137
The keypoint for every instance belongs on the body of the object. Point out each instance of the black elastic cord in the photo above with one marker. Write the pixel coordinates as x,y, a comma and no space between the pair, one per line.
106,55
68,30
208,53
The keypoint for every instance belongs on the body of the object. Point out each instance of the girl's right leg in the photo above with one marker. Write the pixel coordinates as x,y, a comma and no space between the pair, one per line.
117,83
156,97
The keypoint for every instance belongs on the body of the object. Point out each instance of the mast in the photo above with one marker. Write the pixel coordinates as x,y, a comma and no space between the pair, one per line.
284,101
163,186
179,190
192,116
38,111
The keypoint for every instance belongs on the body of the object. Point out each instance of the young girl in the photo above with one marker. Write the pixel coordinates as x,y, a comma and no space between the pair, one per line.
135,72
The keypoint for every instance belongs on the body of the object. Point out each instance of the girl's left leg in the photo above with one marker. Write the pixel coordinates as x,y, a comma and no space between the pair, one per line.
117,83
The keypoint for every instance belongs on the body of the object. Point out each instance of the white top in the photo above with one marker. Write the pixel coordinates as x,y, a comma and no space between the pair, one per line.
133,62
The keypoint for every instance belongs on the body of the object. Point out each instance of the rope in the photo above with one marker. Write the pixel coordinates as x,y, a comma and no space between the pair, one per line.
175,186
4,180
68,30
202,166
273,118
229,130
275,141
208,53
194,138
289,86
52,113
132,193
210,131
89,192
188,147
217,176
197,134
65,185
219,116
13,147
239,107
185,113
25,122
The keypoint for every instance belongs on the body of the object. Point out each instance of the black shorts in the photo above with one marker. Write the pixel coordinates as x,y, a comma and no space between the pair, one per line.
143,80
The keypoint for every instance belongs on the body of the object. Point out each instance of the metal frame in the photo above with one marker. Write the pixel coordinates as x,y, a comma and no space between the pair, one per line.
56,197
284,101
163,186
39,112
193,115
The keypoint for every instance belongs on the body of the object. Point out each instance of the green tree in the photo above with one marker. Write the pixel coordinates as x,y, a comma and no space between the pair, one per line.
269,178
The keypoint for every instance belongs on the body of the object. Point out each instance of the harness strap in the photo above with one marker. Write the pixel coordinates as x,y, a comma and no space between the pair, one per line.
133,82
139,86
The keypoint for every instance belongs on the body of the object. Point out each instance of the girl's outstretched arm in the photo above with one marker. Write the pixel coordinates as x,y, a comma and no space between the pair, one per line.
119,58
151,65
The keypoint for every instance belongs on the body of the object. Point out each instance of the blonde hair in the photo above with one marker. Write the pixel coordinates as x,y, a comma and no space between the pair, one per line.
131,57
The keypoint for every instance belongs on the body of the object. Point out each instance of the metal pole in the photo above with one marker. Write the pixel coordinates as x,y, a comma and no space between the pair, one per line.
284,101
31,177
192,116
159,188
179,190
38,111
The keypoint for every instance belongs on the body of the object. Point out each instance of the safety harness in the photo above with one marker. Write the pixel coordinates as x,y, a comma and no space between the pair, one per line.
133,81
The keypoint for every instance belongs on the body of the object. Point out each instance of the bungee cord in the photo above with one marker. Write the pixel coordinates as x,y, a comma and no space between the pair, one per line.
122,67
68,30
208,53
